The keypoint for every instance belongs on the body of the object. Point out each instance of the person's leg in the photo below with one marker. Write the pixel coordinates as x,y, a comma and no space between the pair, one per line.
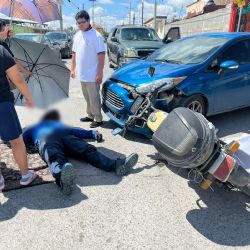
20,154
87,98
79,149
10,130
95,100
52,152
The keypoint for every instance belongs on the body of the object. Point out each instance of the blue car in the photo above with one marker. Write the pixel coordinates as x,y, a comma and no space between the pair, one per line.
208,73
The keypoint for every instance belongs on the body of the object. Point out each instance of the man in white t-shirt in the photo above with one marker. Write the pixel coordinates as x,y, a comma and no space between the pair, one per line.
88,63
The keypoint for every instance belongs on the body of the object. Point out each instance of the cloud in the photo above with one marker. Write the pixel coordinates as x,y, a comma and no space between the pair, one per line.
68,21
105,2
98,11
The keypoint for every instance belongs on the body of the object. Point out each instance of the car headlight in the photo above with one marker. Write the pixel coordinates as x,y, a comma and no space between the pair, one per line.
130,52
161,85
125,86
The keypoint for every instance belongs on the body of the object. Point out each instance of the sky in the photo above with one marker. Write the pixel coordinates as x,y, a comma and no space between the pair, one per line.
109,13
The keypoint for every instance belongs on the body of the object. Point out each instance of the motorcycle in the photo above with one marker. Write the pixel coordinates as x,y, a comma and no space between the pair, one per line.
187,140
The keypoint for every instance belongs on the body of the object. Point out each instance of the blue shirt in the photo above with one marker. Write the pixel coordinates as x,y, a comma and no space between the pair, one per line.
45,128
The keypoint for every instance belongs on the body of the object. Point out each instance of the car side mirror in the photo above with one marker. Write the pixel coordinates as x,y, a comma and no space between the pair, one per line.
229,65
114,39
167,40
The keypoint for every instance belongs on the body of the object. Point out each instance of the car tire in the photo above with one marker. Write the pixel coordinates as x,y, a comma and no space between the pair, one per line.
195,103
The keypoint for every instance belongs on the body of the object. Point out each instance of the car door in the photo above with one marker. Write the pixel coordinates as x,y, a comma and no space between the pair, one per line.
231,88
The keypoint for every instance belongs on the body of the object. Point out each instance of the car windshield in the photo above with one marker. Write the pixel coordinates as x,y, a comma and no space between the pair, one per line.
57,36
139,34
192,50
32,38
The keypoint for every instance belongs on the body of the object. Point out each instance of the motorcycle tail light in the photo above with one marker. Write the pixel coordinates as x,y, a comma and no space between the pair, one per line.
224,169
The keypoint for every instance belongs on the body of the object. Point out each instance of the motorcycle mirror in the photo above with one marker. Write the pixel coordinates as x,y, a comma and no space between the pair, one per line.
117,131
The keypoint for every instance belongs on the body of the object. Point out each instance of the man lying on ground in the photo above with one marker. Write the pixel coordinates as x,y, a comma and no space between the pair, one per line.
56,142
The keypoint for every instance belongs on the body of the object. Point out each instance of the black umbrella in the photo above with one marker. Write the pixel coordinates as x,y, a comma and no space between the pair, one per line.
50,77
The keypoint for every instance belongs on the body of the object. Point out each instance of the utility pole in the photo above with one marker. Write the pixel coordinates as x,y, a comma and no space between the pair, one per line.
142,12
134,19
83,6
155,11
60,3
93,11
129,12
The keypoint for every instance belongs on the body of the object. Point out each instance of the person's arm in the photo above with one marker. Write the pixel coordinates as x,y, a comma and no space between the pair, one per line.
18,81
81,133
22,69
101,62
73,65
100,50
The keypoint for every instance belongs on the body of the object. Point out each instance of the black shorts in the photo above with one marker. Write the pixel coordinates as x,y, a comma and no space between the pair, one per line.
10,128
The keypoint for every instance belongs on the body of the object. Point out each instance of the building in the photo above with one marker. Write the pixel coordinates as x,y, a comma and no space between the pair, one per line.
202,6
160,24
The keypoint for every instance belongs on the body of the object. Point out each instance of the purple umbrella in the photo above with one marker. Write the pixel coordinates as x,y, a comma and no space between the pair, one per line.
40,11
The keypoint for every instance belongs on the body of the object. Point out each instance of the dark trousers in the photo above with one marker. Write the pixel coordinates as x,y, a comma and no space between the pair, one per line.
59,146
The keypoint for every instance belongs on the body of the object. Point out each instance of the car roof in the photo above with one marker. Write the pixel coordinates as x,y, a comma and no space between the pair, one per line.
230,35
133,27
26,34
52,32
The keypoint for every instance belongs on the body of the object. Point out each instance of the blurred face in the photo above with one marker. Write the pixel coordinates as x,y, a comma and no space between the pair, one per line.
2,28
83,24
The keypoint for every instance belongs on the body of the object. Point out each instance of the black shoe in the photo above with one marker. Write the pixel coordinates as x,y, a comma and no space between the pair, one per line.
95,124
67,180
86,119
124,168
99,137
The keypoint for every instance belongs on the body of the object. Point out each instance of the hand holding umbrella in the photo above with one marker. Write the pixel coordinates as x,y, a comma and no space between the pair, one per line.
18,81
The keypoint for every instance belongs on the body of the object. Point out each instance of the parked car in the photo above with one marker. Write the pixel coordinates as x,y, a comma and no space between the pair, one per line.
127,43
41,38
65,40
208,73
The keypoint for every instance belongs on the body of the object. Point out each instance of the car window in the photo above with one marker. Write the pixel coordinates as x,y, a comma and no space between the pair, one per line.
174,34
238,52
111,33
46,40
139,34
57,36
190,50
114,33
117,34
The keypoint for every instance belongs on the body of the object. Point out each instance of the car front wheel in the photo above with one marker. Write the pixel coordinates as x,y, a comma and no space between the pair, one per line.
195,103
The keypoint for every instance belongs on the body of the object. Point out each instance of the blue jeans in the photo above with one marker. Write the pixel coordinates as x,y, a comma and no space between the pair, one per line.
59,146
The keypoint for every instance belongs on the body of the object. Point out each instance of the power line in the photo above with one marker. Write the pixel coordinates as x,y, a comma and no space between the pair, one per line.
70,1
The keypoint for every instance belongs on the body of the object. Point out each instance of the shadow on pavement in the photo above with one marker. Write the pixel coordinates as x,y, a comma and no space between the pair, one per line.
221,216
43,197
